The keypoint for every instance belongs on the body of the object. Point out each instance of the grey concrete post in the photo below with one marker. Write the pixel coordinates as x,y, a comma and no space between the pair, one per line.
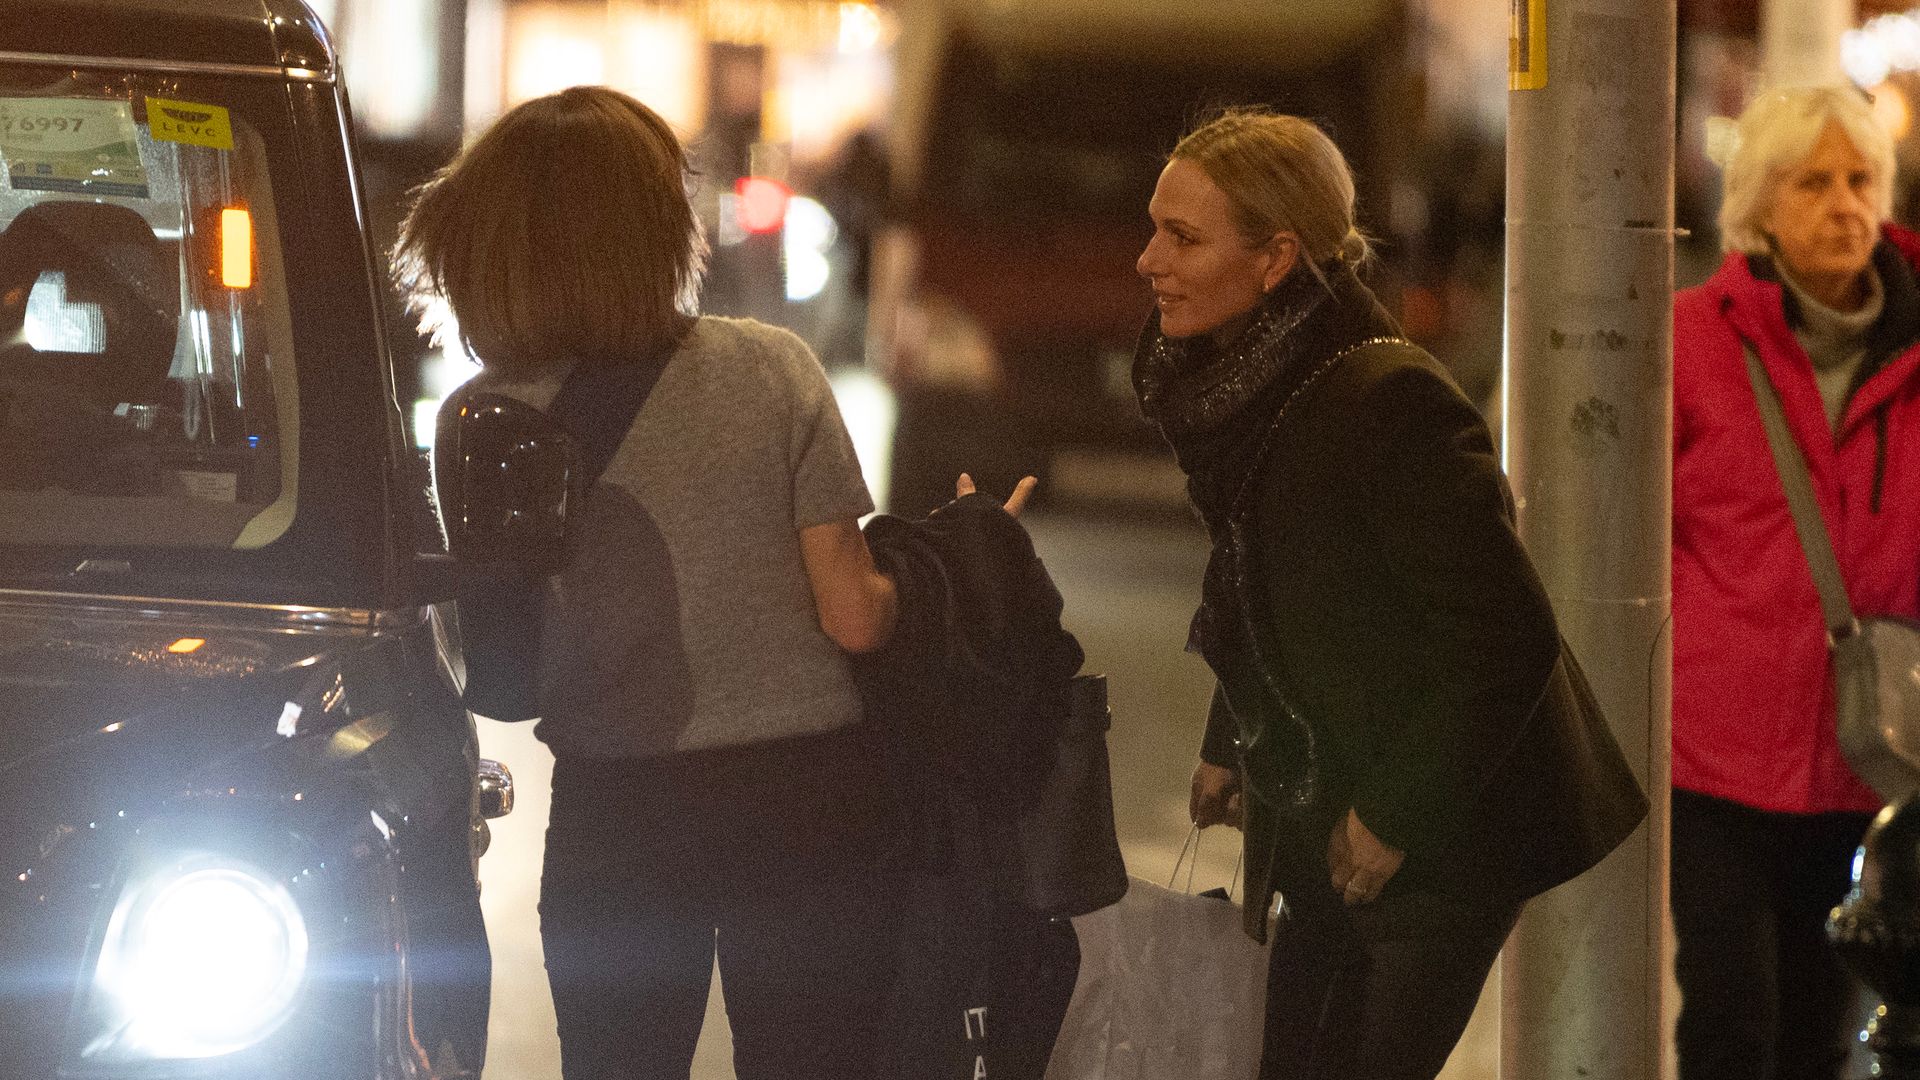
1588,421
1800,41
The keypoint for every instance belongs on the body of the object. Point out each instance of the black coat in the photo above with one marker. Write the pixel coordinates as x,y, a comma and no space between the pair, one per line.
1409,627
971,693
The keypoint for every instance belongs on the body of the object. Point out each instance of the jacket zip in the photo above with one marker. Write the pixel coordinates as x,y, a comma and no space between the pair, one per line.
1879,455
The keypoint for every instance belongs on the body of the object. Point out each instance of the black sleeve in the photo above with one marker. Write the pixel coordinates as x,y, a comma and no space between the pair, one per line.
1479,639
1218,748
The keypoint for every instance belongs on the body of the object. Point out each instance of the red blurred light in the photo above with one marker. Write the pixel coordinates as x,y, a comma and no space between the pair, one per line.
763,203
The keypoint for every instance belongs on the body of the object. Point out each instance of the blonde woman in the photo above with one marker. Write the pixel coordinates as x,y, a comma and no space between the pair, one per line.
1766,813
714,787
1397,725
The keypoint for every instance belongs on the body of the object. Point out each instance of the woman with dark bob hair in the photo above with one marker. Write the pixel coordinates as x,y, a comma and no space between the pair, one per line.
1411,750
714,786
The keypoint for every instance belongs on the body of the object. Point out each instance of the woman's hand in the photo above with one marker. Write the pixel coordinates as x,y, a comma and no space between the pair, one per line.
1016,502
1361,862
1216,797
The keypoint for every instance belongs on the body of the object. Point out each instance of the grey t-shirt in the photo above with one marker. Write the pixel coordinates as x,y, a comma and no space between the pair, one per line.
686,620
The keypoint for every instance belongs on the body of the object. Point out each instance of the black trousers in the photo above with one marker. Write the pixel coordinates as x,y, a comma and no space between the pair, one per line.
1380,990
1762,994
768,859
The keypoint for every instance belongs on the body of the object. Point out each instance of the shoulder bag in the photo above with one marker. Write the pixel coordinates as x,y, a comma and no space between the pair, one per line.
1876,661
1070,858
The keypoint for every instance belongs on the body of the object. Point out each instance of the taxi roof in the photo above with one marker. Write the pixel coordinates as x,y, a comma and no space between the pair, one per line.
259,34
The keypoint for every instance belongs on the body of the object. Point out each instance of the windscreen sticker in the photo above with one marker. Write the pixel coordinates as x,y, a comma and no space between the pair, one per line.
86,145
190,122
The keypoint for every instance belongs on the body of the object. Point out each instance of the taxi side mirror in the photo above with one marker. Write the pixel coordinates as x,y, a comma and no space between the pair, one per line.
510,482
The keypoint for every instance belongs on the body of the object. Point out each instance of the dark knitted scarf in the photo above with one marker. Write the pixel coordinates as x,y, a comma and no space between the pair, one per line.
1216,404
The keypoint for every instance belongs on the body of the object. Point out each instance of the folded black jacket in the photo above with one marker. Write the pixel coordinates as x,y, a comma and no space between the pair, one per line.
971,686
969,694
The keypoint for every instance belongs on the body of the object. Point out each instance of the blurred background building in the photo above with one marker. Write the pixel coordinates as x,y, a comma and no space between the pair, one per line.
945,197
770,95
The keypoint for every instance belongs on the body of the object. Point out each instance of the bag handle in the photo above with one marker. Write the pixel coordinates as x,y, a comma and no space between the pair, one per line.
1189,857
1791,464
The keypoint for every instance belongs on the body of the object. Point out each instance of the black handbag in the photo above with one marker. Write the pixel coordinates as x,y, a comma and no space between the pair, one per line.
1069,854
1876,661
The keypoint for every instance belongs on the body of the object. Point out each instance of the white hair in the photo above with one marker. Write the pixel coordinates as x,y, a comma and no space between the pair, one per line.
1776,133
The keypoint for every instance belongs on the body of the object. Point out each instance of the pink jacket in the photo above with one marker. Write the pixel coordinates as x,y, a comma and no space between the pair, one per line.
1752,702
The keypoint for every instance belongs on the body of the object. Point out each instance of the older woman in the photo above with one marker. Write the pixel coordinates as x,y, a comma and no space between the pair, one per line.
1415,751
1766,814
713,782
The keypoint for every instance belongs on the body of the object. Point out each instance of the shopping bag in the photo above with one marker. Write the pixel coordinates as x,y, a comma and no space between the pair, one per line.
981,982
1169,987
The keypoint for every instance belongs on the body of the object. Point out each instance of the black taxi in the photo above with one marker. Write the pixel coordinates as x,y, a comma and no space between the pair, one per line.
240,799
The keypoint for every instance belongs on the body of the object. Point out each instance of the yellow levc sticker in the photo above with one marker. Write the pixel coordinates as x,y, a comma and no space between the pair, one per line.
190,122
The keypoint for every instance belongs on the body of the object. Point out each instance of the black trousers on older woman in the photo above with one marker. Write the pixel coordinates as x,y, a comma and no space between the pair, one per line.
1763,996
1381,990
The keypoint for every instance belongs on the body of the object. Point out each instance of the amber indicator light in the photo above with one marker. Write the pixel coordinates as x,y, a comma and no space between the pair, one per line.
236,249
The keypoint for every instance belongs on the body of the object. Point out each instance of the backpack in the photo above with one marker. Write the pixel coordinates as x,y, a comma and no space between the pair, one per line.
511,481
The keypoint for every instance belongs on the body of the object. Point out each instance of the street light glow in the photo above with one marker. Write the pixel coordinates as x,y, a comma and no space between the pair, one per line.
1884,46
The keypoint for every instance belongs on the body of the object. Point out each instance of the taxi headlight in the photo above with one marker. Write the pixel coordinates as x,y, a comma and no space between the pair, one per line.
203,959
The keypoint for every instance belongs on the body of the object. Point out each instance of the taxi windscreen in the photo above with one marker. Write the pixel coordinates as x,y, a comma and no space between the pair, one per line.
147,393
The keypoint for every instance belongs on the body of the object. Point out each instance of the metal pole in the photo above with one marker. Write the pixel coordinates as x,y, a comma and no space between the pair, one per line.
1588,421
1800,41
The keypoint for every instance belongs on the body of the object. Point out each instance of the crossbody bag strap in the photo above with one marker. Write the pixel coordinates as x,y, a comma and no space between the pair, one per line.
1244,494
597,403
1815,543
1239,521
